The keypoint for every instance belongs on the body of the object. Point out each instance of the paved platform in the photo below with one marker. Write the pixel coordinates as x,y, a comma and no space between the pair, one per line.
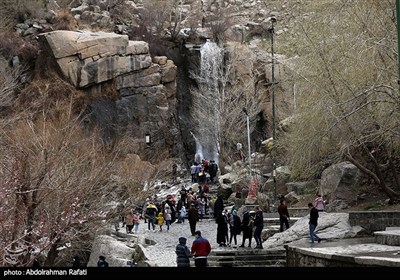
355,251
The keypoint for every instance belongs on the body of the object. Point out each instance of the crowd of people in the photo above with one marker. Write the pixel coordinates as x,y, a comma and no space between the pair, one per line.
194,203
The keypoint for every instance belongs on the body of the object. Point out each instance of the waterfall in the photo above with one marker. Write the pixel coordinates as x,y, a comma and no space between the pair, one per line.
211,62
199,150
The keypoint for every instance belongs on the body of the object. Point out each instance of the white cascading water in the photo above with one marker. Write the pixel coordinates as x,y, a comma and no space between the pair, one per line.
207,139
199,150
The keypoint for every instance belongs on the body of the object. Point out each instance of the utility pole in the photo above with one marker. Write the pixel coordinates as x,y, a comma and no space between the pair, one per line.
398,43
248,137
272,31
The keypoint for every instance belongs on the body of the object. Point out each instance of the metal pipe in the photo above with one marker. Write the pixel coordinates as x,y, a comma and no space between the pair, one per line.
273,20
398,36
248,137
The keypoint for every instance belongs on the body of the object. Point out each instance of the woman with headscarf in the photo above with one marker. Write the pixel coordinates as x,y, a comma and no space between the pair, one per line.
218,207
222,229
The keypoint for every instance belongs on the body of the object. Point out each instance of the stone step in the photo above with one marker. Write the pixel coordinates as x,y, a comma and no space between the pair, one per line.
388,237
247,251
247,257
243,263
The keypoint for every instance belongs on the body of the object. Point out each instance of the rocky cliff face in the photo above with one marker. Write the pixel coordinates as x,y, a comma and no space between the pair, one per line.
145,88
149,91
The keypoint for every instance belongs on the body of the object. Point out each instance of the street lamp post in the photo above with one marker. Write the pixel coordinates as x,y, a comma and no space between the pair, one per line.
272,31
248,136
398,41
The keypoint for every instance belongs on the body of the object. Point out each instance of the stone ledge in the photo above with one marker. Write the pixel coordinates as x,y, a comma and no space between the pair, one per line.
346,252
388,232
373,221
391,237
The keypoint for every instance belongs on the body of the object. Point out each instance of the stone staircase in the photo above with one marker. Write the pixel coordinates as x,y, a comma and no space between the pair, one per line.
246,257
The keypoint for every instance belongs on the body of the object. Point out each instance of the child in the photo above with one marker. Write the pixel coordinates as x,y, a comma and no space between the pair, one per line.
136,222
183,214
167,216
160,220
182,253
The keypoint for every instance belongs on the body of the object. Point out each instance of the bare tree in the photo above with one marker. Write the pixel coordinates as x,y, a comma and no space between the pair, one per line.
57,185
54,177
348,93
164,19
219,23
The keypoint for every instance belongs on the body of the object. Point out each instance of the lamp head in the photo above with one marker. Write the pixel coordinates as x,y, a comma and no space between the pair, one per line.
147,139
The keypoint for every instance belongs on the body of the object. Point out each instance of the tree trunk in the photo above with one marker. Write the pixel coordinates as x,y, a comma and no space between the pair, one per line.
52,254
377,177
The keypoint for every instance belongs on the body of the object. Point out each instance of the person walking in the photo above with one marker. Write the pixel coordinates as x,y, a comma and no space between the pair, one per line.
259,225
319,203
283,215
218,207
167,216
313,222
201,248
182,214
150,215
183,254
136,222
129,221
160,220
193,217
193,174
178,209
247,227
234,226
222,229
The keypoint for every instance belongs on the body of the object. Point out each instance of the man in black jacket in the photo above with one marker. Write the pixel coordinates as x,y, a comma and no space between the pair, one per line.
313,222
259,225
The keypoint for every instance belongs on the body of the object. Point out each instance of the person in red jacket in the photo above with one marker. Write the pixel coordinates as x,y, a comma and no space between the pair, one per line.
201,248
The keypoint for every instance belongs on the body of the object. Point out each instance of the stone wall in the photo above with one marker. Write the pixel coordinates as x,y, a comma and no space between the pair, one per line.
374,220
296,257
353,252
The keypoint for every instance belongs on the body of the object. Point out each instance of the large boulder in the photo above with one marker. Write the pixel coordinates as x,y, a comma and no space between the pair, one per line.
330,226
117,253
340,182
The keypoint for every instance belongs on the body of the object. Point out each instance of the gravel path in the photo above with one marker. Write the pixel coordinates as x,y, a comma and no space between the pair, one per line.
163,252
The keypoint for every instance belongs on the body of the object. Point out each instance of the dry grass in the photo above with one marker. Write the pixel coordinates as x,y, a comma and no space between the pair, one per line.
65,21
